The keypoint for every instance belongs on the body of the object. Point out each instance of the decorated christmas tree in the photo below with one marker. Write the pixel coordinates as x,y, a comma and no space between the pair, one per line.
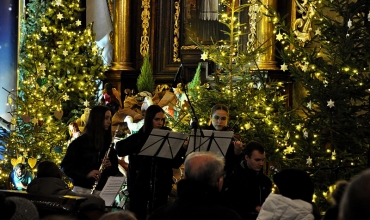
256,102
327,51
60,66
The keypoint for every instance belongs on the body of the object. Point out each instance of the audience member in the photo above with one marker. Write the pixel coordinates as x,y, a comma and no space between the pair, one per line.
199,194
49,181
16,208
20,177
335,198
356,199
247,187
119,215
295,199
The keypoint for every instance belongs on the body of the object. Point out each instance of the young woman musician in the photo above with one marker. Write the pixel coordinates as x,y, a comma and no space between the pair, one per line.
218,121
140,174
86,154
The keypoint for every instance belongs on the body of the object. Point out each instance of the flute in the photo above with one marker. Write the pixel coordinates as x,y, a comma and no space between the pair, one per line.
101,168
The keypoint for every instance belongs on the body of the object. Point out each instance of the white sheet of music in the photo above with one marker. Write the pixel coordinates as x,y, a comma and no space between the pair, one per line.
171,141
111,189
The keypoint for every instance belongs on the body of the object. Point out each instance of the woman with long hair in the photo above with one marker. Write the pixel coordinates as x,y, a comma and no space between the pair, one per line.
85,154
143,171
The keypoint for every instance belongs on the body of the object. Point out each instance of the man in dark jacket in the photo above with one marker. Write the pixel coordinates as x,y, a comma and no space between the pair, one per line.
199,193
247,188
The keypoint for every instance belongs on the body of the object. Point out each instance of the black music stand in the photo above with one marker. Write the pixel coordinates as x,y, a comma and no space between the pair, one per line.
215,141
164,144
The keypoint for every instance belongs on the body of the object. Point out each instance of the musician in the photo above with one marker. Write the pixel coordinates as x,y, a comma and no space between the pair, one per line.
85,154
144,170
218,121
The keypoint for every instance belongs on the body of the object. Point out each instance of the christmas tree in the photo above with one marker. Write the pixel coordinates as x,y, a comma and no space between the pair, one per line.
256,103
327,52
59,67
145,81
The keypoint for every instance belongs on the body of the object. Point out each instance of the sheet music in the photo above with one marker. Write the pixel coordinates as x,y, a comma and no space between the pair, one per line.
163,143
216,141
111,189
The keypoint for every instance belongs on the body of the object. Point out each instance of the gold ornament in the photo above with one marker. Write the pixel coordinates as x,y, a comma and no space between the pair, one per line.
32,162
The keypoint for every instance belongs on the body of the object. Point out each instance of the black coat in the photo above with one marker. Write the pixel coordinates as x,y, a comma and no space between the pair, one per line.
81,158
245,189
196,201
143,170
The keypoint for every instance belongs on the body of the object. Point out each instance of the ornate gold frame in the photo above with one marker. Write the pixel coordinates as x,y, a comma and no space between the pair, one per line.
176,32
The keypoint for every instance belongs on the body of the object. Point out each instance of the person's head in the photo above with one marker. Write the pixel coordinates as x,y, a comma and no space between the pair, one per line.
73,127
19,169
48,169
294,184
98,126
356,199
219,116
254,155
338,192
108,88
119,215
154,118
205,167
17,208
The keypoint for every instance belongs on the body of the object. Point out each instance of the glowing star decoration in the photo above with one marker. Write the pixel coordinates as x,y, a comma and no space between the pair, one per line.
78,22
279,36
86,103
349,23
334,155
65,97
60,16
318,31
48,129
284,67
330,103
34,121
65,53
309,161
42,67
247,126
305,67
43,88
44,29
309,105
58,2
305,134
289,149
204,56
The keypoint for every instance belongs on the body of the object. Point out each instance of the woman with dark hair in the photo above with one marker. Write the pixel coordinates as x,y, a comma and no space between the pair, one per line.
85,154
218,121
140,173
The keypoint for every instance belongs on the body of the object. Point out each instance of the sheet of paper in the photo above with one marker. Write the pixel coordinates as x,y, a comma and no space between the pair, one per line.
111,189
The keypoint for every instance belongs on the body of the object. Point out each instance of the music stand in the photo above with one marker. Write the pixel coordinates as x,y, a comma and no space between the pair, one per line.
161,143
215,141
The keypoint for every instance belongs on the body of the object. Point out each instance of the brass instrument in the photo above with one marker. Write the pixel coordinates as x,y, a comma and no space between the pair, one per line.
101,168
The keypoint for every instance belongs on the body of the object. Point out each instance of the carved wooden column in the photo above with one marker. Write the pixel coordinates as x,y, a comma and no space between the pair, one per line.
121,36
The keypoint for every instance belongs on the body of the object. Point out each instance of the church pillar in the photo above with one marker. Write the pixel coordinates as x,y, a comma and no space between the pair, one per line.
265,35
121,36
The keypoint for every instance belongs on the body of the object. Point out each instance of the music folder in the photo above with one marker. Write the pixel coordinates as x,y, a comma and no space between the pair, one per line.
163,143
215,141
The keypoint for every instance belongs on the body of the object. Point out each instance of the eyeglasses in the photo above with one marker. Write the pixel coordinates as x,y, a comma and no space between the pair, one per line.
216,117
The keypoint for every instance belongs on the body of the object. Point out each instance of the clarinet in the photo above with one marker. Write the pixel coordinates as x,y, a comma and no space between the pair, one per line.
101,168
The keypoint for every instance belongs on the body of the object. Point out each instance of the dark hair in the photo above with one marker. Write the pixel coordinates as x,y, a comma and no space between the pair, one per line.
94,128
48,169
19,166
218,107
149,116
252,146
75,125
295,184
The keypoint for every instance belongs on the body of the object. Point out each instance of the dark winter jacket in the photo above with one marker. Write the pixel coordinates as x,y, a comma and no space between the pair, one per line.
81,158
245,189
196,201
56,186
